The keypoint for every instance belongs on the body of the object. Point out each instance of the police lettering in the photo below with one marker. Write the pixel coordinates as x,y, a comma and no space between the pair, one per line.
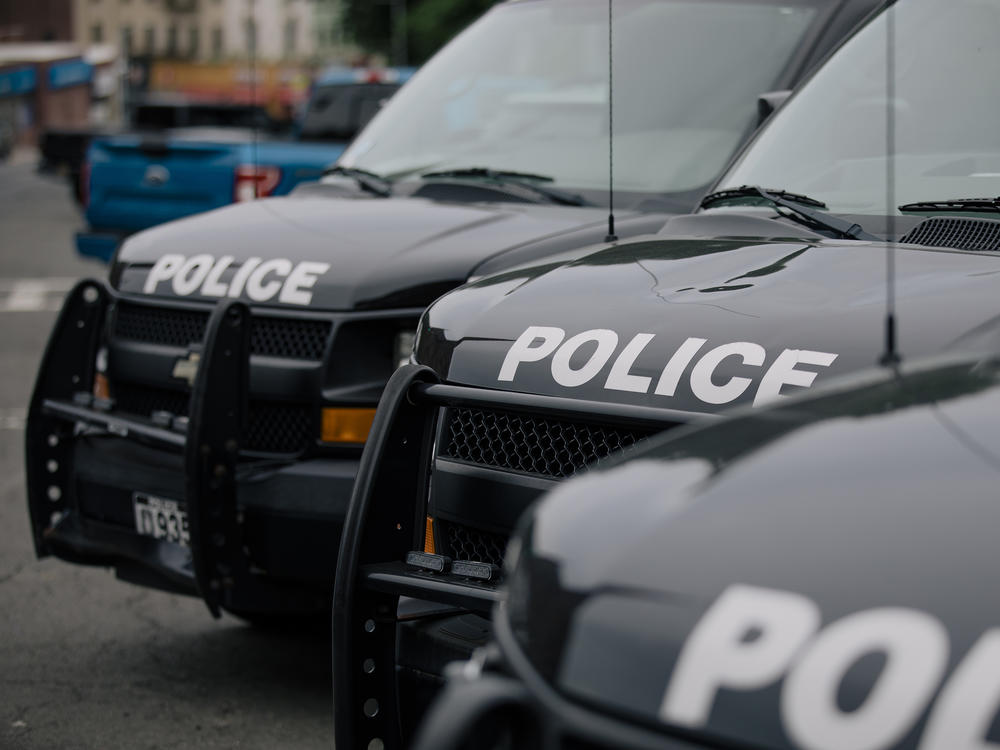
789,643
258,279
578,360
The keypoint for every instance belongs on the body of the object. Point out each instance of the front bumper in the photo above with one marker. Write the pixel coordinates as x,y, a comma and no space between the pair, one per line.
406,473
291,516
263,530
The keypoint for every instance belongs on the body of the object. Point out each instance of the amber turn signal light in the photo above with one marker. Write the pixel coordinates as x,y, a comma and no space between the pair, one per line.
102,388
346,425
429,536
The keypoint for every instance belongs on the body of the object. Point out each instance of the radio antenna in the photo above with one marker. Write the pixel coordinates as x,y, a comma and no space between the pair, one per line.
890,357
611,237
254,159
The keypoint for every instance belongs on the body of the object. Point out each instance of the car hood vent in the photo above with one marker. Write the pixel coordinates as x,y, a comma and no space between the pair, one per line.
961,233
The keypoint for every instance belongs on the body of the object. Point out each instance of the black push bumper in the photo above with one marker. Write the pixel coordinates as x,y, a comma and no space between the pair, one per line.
382,682
263,535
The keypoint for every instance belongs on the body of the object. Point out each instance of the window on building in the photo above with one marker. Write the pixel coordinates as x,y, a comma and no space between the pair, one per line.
217,42
172,41
250,30
291,36
194,41
150,44
97,33
127,41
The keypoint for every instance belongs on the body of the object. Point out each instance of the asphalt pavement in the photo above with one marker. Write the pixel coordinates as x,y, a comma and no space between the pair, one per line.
87,661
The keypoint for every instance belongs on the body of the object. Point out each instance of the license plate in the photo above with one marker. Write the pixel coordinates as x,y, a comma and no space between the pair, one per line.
161,518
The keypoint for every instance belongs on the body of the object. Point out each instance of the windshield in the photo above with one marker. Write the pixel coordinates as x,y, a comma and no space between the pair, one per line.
525,89
829,141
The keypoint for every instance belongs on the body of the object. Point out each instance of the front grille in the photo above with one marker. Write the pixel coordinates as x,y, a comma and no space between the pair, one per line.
295,338
271,427
521,442
159,325
468,543
289,337
959,233
278,428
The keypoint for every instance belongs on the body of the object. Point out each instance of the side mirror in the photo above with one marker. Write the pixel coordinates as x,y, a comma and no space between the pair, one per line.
770,101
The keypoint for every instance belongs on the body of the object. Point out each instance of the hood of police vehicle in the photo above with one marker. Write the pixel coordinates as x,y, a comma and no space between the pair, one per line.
820,576
700,324
338,253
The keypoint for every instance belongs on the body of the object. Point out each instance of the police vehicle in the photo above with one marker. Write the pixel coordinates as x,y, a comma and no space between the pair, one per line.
526,377
805,576
198,419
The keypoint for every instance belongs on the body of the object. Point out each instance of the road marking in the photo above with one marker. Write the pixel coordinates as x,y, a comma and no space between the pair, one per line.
33,295
12,419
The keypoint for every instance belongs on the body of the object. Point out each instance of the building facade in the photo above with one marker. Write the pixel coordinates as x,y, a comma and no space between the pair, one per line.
36,20
213,30
43,85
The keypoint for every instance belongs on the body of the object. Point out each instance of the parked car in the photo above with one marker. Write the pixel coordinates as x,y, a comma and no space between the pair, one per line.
809,576
525,377
166,170
198,420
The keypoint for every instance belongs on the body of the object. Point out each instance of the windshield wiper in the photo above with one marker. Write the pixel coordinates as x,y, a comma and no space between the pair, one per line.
752,191
369,181
955,204
796,203
505,177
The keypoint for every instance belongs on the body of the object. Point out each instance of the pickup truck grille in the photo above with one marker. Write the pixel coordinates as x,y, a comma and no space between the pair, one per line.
271,427
270,336
530,444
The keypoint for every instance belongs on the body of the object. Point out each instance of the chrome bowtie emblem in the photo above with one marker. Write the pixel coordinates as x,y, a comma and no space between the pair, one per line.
156,175
186,368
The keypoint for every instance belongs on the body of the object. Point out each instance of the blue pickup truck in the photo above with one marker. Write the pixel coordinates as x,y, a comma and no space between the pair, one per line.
154,174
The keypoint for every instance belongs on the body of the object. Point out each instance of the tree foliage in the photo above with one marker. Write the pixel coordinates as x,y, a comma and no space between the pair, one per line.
429,24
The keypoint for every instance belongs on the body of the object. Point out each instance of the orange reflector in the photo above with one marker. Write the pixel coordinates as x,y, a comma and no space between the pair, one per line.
346,425
102,388
429,536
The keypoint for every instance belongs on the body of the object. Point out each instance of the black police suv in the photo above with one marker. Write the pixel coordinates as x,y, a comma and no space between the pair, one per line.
526,377
811,575
198,418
